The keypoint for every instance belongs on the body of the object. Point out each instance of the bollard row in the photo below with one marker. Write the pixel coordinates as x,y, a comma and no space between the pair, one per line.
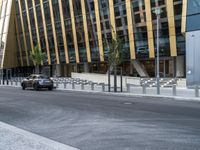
81,83
74,82
173,93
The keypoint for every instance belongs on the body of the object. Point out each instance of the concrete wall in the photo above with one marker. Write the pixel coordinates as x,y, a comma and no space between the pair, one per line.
193,58
180,66
181,83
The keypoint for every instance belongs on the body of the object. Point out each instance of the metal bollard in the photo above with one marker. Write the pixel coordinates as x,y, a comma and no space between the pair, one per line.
65,85
92,86
82,86
174,90
128,88
103,87
144,91
73,85
19,83
15,83
11,82
196,91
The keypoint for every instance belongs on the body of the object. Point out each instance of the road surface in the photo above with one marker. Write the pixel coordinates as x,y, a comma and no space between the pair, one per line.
100,122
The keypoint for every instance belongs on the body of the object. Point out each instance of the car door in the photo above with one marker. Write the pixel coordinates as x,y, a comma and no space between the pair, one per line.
34,78
30,80
26,81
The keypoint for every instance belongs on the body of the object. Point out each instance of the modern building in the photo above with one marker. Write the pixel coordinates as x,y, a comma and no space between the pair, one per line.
193,42
74,33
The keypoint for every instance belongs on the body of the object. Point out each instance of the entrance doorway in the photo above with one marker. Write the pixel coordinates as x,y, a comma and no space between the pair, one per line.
167,67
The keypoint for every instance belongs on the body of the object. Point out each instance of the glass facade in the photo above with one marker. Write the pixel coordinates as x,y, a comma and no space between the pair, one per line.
193,14
140,21
77,31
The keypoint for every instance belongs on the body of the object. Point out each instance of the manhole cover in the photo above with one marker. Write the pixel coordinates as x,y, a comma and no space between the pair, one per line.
128,103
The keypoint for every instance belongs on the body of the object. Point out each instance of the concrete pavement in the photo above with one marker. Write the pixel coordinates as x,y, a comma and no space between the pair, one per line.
12,138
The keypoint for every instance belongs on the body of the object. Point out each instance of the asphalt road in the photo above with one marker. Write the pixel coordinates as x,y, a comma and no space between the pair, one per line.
101,122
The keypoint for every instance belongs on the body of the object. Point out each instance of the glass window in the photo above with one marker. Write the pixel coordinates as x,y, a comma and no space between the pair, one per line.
178,9
192,23
193,7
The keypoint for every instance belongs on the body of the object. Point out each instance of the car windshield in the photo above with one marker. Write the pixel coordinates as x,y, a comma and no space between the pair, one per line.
43,77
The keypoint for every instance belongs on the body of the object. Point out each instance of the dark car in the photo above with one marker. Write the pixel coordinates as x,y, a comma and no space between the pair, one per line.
37,81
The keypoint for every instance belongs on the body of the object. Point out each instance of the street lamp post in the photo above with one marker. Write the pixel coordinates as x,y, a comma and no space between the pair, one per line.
158,12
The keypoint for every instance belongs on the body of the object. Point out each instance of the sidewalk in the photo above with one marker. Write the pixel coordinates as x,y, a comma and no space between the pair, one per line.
186,98
181,93
12,138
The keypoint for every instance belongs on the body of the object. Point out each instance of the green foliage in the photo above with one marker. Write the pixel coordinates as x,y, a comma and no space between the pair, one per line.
115,51
37,55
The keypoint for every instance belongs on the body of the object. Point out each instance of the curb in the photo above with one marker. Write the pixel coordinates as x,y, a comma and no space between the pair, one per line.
135,95
125,94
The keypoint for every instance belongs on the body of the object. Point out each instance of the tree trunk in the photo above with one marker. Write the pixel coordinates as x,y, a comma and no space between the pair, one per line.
109,79
115,78
37,69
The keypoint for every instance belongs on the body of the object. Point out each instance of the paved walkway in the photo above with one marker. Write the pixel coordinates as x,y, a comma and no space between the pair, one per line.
181,93
12,138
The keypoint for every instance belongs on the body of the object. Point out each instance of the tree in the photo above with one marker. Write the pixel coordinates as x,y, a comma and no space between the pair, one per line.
115,55
37,57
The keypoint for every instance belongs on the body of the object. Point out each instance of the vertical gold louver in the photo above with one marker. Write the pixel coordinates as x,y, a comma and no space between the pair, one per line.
18,42
172,30
184,13
112,18
36,25
23,31
63,31
54,32
130,29
29,25
45,32
99,34
87,43
74,30
149,29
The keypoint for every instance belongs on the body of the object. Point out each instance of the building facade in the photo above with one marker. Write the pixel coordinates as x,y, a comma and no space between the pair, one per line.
74,33
192,43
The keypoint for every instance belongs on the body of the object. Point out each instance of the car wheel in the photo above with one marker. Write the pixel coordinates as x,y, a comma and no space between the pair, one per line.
23,86
50,88
35,86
